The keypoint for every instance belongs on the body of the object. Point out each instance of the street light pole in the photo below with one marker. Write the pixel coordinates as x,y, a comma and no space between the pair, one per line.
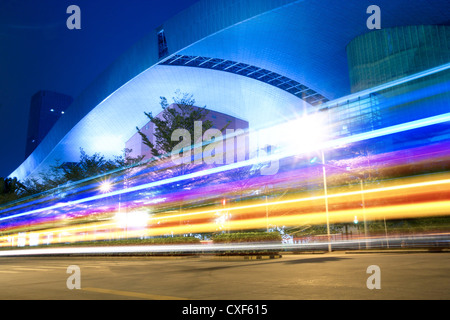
267,209
364,210
326,199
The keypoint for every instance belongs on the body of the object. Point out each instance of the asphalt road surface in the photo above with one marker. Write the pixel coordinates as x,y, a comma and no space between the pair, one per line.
293,277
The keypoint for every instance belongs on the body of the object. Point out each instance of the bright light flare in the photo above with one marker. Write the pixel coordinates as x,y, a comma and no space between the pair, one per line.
105,187
136,219
303,134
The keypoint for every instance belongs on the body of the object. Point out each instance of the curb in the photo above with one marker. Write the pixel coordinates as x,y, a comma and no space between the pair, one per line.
244,257
305,252
399,251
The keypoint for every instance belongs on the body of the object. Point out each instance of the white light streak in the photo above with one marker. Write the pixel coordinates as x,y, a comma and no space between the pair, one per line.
274,157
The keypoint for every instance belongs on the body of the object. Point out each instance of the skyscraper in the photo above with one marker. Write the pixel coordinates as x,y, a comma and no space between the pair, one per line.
45,109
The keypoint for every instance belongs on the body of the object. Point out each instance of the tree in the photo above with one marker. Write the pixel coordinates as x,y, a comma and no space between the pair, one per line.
88,167
11,189
62,174
180,115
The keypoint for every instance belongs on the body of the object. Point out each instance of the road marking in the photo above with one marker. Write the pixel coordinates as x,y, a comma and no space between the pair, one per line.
43,268
24,266
132,294
29,269
89,266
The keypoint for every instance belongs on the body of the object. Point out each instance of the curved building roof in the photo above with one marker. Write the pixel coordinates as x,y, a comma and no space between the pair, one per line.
215,50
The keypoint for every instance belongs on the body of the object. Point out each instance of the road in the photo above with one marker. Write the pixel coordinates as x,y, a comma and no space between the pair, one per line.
293,277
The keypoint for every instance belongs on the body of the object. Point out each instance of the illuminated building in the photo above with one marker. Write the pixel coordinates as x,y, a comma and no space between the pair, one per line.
266,62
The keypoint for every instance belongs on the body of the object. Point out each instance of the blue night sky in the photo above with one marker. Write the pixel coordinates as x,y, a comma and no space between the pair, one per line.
38,52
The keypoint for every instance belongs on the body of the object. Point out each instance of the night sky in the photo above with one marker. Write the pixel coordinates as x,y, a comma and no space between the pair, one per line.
39,52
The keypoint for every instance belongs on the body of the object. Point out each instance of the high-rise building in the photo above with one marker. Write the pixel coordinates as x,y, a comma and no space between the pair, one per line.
388,54
45,109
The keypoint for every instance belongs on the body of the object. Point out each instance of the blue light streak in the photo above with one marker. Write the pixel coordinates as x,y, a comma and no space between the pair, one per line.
275,157
283,153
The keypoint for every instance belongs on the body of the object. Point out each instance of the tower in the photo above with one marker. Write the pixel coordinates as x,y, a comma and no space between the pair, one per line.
45,109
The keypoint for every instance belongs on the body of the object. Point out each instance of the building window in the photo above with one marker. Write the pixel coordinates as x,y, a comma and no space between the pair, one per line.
162,44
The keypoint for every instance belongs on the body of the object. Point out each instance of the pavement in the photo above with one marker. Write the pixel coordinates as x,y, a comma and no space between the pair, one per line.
336,275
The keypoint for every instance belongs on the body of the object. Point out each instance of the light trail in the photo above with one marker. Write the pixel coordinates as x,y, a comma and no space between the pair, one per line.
253,216
151,204
337,142
321,197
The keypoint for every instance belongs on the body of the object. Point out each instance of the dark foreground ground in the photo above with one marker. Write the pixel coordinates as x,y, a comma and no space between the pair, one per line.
336,275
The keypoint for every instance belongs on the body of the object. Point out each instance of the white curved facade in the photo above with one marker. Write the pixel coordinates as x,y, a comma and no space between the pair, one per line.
302,40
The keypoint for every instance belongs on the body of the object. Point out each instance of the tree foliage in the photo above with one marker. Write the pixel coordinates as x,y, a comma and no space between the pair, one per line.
59,174
11,189
182,114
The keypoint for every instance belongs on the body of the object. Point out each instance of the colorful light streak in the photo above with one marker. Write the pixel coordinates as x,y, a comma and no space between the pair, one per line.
146,202
395,242
208,172
252,215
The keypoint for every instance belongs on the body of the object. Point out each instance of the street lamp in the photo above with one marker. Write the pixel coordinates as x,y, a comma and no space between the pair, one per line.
326,199
306,134
105,187
361,181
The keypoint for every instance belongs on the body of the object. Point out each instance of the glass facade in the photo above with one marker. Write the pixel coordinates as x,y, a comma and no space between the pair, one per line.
274,79
391,105
384,55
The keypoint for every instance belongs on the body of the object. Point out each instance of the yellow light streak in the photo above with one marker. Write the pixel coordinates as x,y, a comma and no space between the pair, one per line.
253,215
366,192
